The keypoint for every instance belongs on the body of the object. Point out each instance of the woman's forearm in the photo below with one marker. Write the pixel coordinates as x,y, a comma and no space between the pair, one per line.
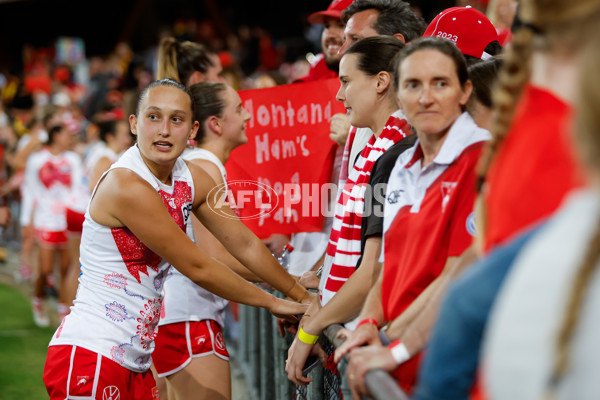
348,301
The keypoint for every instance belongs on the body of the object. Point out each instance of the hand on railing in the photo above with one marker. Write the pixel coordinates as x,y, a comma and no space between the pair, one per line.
287,310
310,280
364,359
284,326
298,353
364,335
375,379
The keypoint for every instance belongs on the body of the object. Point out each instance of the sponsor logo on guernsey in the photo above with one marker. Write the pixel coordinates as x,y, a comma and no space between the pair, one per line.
471,224
111,393
394,196
186,210
447,189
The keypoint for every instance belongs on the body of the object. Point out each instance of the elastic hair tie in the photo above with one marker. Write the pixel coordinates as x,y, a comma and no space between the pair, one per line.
534,28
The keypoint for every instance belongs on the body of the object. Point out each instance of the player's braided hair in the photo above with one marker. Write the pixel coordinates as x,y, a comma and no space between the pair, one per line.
587,139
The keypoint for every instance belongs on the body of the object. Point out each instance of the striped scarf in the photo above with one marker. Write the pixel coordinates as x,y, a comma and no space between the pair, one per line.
344,241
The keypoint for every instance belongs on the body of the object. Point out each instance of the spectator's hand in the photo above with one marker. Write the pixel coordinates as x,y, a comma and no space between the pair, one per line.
310,298
297,355
276,243
364,359
287,310
309,280
286,326
339,127
364,335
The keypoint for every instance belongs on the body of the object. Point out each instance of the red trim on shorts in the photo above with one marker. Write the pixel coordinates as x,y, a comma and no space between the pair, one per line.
179,342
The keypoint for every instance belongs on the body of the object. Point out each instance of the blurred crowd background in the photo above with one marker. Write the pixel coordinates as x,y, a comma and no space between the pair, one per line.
91,60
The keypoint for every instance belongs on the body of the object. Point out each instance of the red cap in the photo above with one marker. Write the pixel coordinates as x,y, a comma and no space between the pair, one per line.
334,10
470,30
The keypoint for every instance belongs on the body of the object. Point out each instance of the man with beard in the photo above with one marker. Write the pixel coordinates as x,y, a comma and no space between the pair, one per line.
326,64
310,246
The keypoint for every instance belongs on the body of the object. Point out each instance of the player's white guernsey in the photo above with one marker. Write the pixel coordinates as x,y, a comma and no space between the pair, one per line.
117,309
184,300
51,179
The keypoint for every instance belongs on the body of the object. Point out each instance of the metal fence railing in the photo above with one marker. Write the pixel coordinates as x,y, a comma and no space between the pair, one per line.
261,353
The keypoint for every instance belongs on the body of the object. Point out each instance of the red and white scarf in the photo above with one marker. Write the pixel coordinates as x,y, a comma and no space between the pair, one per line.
343,250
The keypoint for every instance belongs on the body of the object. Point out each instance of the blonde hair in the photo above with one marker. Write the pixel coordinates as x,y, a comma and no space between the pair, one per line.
587,140
178,61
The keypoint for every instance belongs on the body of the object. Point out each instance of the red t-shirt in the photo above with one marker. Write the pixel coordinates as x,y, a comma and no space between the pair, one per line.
318,70
533,170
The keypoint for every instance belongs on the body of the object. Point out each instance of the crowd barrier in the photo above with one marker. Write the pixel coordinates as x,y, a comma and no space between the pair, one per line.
261,353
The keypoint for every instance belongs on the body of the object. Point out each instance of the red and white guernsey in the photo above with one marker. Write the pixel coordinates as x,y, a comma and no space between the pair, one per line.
117,309
184,300
51,179
343,250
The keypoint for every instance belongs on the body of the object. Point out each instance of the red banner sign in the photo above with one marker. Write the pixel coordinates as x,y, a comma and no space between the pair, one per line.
281,179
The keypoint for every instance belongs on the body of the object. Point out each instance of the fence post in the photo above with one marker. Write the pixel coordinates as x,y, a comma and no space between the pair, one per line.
266,355
253,349
284,387
316,387
242,349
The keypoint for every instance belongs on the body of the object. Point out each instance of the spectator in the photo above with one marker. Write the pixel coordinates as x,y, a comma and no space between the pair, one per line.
501,14
367,91
309,247
531,169
484,76
327,63
269,79
428,221
469,30
548,349
364,18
